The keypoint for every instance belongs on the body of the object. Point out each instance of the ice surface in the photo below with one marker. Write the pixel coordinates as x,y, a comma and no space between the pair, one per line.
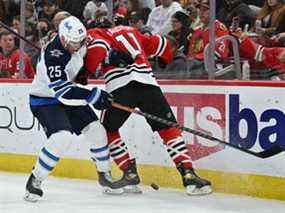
81,196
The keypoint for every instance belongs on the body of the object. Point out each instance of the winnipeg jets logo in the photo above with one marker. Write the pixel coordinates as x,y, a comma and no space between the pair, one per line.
56,53
66,24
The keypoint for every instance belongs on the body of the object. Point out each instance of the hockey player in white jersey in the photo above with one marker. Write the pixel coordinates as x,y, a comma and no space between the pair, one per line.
65,109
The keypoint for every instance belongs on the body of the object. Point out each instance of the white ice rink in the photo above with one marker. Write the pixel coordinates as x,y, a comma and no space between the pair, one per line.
79,196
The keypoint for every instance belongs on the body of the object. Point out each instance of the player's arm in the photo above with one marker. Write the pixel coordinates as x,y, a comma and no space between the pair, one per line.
157,46
69,93
97,51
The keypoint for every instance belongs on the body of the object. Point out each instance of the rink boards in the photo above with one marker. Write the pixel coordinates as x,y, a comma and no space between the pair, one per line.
248,114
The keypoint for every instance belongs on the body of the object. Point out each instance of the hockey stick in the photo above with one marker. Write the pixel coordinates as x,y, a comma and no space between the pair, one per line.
273,150
18,35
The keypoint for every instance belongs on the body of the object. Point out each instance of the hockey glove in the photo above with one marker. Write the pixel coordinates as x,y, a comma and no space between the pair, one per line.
119,58
161,63
100,99
82,77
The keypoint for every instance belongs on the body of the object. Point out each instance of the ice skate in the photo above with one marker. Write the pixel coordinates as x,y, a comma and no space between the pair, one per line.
33,189
132,179
109,185
193,183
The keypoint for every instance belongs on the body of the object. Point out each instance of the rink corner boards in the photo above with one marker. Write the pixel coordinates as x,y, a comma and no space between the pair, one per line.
261,186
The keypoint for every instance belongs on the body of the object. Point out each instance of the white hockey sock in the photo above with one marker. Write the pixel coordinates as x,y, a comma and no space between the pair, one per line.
100,154
51,153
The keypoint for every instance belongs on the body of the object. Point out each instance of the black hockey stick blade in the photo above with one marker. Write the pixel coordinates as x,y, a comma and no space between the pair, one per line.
273,150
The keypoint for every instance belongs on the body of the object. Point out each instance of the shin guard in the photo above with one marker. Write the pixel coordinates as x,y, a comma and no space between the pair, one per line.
176,146
118,150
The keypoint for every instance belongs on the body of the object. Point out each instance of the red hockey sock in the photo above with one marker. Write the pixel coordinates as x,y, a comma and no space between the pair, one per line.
176,147
118,150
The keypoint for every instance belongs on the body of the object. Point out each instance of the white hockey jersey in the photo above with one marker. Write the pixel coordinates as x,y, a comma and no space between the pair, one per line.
56,70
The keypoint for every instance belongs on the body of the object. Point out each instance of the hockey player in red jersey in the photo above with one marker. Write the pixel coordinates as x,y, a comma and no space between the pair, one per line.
134,85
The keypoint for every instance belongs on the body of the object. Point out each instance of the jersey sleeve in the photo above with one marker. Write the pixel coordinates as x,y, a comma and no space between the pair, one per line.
158,46
97,51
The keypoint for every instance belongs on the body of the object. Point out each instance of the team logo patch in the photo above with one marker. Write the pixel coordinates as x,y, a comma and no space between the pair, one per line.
56,53
66,24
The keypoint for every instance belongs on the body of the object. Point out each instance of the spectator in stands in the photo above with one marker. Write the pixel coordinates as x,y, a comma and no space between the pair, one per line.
138,19
50,8
179,36
29,12
10,58
133,5
74,7
160,17
180,31
147,4
16,24
43,26
192,11
95,9
236,8
270,17
200,38
120,13
12,10
3,11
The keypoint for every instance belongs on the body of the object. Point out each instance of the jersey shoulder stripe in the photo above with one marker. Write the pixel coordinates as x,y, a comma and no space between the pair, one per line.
99,43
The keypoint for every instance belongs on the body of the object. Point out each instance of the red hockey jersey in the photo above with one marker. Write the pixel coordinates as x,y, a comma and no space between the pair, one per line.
200,38
130,40
10,64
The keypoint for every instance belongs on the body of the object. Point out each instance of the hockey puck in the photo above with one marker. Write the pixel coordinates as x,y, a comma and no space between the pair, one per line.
154,186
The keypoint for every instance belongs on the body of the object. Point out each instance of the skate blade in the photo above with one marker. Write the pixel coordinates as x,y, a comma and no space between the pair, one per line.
31,197
132,189
110,191
193,190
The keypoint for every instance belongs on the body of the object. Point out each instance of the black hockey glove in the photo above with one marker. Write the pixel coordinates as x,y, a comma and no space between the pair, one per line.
119,58
100,99
161,63
82,76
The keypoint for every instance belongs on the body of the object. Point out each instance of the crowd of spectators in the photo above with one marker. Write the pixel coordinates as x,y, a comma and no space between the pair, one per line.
184,22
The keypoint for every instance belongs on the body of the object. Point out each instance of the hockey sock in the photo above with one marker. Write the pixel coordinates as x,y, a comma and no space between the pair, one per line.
118,150
100,154
176,147
50,153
